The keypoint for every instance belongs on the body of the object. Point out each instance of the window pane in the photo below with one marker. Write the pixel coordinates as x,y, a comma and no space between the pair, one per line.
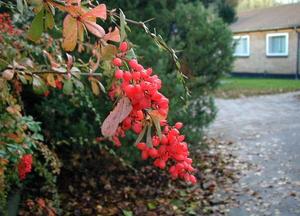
241,46
277,44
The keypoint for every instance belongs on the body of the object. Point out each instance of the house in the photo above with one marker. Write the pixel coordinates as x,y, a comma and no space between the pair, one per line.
267,42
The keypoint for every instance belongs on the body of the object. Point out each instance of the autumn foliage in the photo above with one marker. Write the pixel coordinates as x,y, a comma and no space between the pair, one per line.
112,70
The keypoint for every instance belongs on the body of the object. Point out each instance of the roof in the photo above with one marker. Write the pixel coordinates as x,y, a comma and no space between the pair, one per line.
279,17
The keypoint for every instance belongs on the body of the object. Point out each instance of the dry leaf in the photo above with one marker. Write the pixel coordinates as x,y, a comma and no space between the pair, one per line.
94,28
113,35
120,112
99,11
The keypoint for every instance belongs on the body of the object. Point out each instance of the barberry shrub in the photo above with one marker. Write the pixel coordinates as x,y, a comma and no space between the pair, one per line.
87,56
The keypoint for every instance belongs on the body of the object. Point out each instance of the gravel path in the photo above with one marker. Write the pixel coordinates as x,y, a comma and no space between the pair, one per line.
266,133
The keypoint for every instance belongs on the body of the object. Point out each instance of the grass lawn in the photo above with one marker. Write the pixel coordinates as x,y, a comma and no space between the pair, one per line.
239,87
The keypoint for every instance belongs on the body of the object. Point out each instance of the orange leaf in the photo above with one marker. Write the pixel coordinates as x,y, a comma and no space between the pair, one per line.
112,121
69,2
69,33
113,35
158,115
94,28
99,11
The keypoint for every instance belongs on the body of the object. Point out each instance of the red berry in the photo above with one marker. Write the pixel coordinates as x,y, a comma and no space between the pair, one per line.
117,62
178,125
153,152
133,63
144,75
139,67
149,71
137,127
161,164
155,141
127,76
123,46
119,74
129,90
141,146
145,155
136,76
140,115
193,179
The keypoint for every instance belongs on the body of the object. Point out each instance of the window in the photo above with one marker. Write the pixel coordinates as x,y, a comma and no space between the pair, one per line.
242,45
277,44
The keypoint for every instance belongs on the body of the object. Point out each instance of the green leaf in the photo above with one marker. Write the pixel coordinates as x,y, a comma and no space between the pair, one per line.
130,54
68,87
38,137
20,6
149,138
122,25
49,21
127,213
37,26
107,69
39,86
78,84
23,79
141,135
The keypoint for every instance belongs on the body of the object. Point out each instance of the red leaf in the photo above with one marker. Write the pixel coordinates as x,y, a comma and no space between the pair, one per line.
69,33
113,35
94,28
99,11
119,113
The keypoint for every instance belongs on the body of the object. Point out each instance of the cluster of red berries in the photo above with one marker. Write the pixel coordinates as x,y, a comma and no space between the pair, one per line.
142,88
6,25
24,166
171,146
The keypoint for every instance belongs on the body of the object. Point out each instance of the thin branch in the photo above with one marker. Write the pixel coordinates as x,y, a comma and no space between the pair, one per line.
56,72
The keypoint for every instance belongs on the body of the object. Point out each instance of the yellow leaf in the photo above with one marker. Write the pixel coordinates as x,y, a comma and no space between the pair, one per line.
69,33
95,87
51,80
80,28
108,52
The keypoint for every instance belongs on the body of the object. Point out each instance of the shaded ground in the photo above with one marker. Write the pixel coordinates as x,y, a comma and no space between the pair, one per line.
266,133
93,182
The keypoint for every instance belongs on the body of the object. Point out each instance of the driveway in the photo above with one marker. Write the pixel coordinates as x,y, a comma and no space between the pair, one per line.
266,133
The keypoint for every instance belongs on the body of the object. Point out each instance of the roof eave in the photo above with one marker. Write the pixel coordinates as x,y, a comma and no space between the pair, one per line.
265,29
